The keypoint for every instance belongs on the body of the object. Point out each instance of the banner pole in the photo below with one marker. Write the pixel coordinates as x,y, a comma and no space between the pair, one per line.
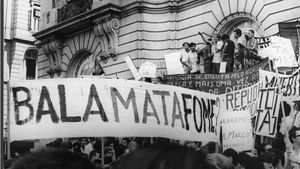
8,120
102,151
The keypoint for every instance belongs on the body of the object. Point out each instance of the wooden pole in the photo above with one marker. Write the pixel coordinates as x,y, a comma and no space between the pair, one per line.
8,120
102,151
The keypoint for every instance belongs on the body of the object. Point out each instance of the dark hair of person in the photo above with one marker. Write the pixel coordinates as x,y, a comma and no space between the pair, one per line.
93,153
184,43
273,156
292,133
53,158
254,163
218,36
192,44
225,36
243,158
238,32
161,157
232,153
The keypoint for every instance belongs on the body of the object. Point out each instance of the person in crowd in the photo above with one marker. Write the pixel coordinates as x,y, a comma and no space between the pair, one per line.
251,45
109,154
53,159
132,146
67,145
76,148
296,110
238,49
254,163
193,59
184,58
218,161
293,153
162,157
232,155
206,54
243,159
273,159
94,155
228,53
217,48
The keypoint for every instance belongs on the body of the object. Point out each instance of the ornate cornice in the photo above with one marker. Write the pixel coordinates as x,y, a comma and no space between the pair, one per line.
107,30
53,51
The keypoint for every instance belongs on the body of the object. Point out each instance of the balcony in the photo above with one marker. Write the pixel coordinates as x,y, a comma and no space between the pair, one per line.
73,8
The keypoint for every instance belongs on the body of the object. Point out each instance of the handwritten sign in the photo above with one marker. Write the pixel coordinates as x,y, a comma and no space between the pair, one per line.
283,52
239,138
241,100
278,49
217,83
267,112
93,107
290,84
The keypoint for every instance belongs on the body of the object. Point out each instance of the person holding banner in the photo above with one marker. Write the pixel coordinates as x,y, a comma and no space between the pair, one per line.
206,54
217,48
184,58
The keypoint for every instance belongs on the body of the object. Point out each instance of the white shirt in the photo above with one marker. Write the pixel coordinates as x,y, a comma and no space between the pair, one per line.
193,57
217,55
185,59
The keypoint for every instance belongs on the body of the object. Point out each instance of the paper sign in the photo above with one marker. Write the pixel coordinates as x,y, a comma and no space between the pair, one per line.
78,107
173,64
280,50
147,69
223,67
236,130
267,112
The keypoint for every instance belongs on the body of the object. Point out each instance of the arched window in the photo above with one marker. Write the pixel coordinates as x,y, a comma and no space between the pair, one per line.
30,63
84,64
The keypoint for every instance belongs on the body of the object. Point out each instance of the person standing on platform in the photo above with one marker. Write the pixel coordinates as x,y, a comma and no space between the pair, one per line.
206,54
217,48
184,58
228,53
193,58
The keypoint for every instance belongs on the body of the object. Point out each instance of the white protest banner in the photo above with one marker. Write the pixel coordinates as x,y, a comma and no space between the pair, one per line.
243,99
239,138
173,64
68,107
283,52
278,49
132,68
290,84
147,69
267,112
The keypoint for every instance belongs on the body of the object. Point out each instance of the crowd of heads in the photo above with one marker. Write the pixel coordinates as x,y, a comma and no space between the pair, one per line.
158,156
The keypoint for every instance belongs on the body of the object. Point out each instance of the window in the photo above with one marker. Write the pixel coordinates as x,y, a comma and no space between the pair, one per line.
30,63
30,68
34,16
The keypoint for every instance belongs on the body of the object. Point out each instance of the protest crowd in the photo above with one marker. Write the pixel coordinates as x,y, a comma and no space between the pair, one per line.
220,55
220,52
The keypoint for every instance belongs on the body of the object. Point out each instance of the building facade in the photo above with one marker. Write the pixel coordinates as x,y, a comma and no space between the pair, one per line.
75,33
21,20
